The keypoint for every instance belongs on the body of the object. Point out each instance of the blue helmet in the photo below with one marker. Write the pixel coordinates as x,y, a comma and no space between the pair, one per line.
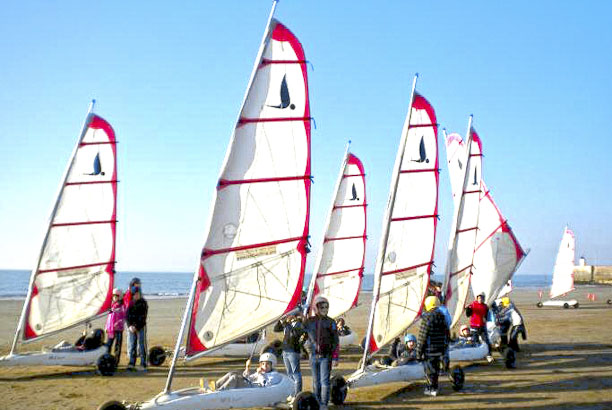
410,338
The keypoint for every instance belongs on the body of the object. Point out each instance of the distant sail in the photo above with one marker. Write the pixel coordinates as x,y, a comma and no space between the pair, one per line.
73,279
498,253
339,267
253,261
405,257
563,273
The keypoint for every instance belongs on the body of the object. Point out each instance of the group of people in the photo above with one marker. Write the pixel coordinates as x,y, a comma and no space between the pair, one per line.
129,311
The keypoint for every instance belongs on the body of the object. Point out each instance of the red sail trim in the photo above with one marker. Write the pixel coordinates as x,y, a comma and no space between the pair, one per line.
393,272
265,62
490,235
421,125
410,218
114,181
471,192
460,270
320,275
243,120
476,155
352,159
353,175
224,182
76,267
82,223
342,238
350,206
412,171
209,252
466,229
82,144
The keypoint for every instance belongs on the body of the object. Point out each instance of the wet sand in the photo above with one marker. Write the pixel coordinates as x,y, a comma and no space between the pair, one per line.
565,363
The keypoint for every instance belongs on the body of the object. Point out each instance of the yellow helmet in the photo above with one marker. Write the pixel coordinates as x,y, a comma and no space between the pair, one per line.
505,301
431,302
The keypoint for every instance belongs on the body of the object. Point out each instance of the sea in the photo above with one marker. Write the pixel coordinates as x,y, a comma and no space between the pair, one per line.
161,285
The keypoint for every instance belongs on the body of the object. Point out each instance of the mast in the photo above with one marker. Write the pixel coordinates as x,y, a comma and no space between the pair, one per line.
382,250
196,281
315,271
34,272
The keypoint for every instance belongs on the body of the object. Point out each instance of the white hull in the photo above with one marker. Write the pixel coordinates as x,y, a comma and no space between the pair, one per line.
468,353
350,339
561,303
196,398
373,375
57,358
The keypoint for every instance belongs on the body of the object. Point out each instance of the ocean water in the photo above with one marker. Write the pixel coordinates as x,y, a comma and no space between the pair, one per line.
14,283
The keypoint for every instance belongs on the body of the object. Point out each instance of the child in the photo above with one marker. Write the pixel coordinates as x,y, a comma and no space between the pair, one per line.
137,333
115,323
343,329
264,376
409,353
464,337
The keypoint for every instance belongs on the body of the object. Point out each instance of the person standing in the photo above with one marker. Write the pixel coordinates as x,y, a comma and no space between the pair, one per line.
134,286
115,324
293,330
432,344
323,346
137,334
477,312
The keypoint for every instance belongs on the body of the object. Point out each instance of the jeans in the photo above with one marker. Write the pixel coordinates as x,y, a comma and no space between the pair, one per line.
321,369
139,337
118,341
292,364
432,370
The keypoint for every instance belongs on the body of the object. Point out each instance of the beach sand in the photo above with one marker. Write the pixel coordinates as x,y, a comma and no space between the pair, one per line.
565,363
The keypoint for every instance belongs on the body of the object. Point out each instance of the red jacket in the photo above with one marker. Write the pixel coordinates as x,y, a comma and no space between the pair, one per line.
479,314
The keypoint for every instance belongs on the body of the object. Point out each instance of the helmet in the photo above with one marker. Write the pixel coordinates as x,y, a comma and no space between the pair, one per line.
117,291
463,328
482,294
431,302
505,302
268,357
410,338
320,299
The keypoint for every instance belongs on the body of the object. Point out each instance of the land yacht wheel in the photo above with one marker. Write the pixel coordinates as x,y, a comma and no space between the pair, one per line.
112,405
539,304
609,302
566,305
510,359
305,401
107,364
457,378
339,390
157,356
576,305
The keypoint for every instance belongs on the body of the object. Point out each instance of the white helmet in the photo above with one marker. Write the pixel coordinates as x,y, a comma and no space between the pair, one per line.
268,357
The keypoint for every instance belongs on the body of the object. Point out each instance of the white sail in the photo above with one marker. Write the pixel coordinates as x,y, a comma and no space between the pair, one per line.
338,269
498,252
253,261
464,231
405,256
73,279
563,273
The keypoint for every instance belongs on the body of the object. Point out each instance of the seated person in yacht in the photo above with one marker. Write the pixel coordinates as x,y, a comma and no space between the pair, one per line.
264,376
407,355
343,329
465,337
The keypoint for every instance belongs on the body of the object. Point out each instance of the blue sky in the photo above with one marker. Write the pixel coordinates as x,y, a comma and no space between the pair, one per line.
170,78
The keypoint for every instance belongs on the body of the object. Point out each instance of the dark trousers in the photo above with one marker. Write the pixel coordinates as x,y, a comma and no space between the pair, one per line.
432,370
117,340
482,332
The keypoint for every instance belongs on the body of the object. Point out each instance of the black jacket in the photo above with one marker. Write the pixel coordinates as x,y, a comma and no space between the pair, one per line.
292,333
322,336
433,335
137,314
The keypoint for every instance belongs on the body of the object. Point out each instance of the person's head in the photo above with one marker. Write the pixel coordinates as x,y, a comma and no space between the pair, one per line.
134,284
136,295
464,331
505,302
340,322
267,362
117,295
410,341
481,298
321,305
431,302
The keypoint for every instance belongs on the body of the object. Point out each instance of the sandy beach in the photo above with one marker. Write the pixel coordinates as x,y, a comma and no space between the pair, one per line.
565,363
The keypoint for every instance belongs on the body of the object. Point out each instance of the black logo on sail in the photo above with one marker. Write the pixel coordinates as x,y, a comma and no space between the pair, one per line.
284,96
354,193
422,153
475,176
97,166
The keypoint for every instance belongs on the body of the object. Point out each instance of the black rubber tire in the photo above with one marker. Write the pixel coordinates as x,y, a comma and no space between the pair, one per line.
609,302
157,356
510,359
539,304
276,348
111,405
457,378
576,305
107,364
305,400
565,306
339,390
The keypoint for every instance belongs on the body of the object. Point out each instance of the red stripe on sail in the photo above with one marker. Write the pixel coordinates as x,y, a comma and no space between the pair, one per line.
338,272
392,272
265,62
342,238
81,223
113,181
244,120
350,206
412,171
210,252
76,267
224,182
411,218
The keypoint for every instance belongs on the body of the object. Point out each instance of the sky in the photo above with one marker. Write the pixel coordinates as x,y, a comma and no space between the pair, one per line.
170,78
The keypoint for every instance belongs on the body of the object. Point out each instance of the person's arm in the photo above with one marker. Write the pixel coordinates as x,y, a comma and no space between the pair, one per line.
278,327
335,343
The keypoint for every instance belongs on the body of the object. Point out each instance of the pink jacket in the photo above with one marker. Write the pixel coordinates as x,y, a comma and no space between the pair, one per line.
116,318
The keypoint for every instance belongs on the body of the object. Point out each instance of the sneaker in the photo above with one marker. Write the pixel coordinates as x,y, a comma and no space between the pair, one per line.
131,368
433,393
490,359
290,398
142,369
427,391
